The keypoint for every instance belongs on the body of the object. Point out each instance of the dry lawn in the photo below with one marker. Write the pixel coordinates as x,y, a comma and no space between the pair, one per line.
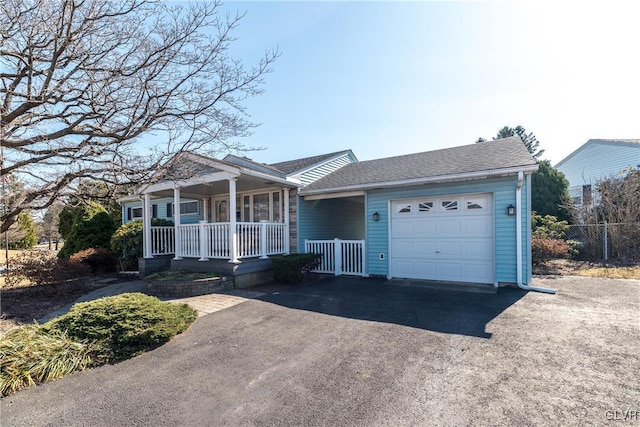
565,267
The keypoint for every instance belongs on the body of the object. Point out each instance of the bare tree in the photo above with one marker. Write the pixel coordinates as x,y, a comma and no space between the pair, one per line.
83,80
50,222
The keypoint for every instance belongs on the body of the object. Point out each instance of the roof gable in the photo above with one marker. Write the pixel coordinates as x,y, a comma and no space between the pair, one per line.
608,142
502,154
253,165
296,166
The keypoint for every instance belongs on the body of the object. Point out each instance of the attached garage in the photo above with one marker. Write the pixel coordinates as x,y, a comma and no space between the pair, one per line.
459,214
445,238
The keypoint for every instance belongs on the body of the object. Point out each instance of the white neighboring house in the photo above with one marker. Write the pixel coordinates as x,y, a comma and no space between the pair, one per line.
594,160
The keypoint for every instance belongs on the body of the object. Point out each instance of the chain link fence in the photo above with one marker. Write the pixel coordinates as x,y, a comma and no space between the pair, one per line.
619,242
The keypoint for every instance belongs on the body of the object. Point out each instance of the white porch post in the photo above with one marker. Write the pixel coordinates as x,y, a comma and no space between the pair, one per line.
205,209
285,215
263,240
176,220
146,226
233,234
203,241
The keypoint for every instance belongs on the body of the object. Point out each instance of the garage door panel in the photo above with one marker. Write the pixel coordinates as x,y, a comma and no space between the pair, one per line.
478,226
402,229
445,240
404,268
450,249
451,227
478,249
403,248
425,248
450,270
425,227
426,269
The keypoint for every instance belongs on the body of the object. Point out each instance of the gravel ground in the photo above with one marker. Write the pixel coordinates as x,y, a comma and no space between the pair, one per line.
362,352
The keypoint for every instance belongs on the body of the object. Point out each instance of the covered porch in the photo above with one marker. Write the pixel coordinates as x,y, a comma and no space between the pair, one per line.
223,212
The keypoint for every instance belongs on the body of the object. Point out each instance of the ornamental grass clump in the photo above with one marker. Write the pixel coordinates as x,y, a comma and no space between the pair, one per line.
31,355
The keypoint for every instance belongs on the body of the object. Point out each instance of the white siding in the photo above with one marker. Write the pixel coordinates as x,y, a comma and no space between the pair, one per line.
598,160
324,169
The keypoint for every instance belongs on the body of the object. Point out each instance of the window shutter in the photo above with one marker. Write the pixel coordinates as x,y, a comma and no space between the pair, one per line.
128,214
169,210
154,211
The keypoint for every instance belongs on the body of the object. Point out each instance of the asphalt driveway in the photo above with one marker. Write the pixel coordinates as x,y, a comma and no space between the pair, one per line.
362,352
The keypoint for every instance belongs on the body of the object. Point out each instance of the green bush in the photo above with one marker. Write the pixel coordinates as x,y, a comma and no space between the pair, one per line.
294,267
548,226
92,228
93,333
126,242
125,325
41,268
25,235
31,355
99,260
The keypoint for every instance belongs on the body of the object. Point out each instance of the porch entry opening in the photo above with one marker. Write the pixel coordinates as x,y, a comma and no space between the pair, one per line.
339,256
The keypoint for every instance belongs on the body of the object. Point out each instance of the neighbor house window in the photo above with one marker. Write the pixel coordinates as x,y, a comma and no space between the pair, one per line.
586,195
154,211
169,210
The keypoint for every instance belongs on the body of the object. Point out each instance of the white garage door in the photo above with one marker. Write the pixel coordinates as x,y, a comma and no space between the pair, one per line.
443,238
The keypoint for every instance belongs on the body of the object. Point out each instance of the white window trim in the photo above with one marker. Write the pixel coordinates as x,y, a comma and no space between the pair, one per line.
133,215
190,213
240,205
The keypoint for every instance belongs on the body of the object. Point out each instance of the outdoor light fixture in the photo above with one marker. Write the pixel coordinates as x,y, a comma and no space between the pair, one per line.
511,210
376,216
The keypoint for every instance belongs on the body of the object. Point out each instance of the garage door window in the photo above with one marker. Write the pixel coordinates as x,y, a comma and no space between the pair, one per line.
403,208
475,205
425,206
450,205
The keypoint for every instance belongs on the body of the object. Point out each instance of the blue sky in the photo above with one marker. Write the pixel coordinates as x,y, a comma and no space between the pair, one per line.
390,78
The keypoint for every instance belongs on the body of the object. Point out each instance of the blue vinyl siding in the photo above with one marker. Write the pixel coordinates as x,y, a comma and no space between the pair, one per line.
162,210
503,190
341,218
318,172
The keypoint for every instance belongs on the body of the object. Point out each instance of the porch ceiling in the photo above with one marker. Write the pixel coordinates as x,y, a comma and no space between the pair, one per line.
244,184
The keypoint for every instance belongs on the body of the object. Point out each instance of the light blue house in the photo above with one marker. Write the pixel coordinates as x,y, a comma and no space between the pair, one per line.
594,160
454,215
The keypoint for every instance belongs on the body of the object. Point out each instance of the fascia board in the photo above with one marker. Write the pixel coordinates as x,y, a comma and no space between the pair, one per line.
429,180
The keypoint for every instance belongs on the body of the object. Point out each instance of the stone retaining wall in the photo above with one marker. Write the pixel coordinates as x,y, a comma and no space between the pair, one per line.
188,288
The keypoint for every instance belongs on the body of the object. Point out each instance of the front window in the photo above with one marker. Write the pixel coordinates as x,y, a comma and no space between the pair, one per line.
136,213
261,207
189,208
275,206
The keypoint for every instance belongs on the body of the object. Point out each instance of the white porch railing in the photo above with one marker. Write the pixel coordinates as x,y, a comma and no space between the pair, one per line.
211,240
339,256
162,241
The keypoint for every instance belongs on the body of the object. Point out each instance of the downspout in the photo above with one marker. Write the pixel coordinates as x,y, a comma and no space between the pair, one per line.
519,241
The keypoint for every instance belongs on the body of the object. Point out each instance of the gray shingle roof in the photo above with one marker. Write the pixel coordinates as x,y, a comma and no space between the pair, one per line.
291,166
504,153
251,164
